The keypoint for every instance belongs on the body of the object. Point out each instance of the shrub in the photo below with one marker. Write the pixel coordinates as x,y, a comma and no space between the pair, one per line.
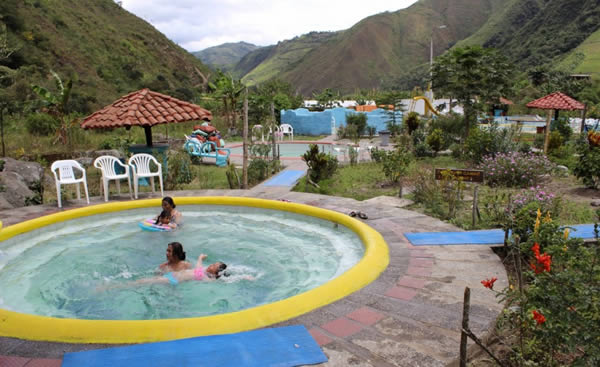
588,167
359,120
395,164
515,169
377,154
412,122
179,170
555,313
562,127
422,150
41,124
258,170
555,141
490,141
435,140
321,165
452,125
457,150
538,141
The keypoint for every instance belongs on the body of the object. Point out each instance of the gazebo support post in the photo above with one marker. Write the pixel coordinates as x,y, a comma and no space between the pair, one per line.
148,132
547,132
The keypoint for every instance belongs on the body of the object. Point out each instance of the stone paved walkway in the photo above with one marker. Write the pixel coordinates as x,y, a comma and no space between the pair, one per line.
409,316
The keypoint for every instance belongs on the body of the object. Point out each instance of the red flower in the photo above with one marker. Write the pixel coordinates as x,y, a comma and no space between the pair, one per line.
538,317
544,260
536,249
489,283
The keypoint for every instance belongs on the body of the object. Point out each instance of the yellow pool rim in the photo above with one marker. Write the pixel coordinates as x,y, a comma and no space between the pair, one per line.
32,327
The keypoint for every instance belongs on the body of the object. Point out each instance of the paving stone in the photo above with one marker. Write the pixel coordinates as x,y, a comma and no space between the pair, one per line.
365,316
342,327
401,293
319,336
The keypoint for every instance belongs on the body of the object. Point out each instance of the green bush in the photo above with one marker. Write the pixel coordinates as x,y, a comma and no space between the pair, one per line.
412,122
489,141
258,171
435,140
377,155
588,167
321,165
538,141
179,170
41,124
555,141
452,125
555,313
396,163
359,120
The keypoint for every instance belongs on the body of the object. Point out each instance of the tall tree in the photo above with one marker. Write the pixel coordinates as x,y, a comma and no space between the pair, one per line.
229,91
474,76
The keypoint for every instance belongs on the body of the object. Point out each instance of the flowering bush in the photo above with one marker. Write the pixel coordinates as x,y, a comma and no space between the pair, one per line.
553,305
526,205
515,169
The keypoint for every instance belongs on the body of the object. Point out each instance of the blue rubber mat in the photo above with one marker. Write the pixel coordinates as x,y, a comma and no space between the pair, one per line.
285,178
282,347
485,237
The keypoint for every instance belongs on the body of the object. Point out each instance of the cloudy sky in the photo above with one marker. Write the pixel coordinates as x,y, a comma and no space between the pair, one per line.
198,24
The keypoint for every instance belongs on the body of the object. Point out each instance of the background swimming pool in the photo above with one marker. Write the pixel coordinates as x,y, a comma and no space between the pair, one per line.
293,149
61,270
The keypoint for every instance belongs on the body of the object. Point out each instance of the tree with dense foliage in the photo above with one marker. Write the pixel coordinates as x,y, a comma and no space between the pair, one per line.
474,76
328,98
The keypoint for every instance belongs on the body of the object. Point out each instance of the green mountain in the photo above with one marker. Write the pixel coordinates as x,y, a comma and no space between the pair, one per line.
106,50
535,32
586,57
379,51
263,65
225,56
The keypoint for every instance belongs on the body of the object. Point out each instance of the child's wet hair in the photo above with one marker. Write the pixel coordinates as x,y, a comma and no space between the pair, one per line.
169,200
177,249
162,214
221,271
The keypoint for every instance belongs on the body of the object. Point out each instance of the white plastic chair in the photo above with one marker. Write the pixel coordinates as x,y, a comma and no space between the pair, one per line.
106,164
64,174
287,129
140,166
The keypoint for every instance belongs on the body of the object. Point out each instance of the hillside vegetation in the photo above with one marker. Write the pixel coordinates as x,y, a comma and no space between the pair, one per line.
383,50
535,32
267,64
225,56
106,50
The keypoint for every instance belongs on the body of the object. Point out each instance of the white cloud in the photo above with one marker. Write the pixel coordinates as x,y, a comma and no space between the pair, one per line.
198,24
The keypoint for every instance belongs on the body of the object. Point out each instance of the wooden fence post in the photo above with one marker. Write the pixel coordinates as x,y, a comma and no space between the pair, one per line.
465,327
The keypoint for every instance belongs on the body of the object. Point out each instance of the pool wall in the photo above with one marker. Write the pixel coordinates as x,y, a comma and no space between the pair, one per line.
32,327
307,122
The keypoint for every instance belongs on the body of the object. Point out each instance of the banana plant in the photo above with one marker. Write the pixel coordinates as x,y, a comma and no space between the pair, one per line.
56,105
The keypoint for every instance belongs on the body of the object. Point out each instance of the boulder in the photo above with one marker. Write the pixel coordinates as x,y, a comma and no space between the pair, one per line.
562,171
595,202
31,172
20,183
15,191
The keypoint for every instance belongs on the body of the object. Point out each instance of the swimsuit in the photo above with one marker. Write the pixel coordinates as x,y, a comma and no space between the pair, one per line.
171,278
199,273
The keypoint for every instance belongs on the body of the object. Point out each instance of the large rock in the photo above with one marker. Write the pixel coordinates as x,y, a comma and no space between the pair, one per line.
20,183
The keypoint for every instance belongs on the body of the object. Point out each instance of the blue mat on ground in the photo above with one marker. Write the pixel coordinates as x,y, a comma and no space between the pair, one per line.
485,237
284,346
285,178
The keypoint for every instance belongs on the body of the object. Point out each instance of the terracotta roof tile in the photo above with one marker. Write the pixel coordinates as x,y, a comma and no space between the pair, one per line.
145,108
556,101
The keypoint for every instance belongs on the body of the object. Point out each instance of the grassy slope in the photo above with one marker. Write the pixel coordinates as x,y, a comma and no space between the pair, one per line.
388,45
225,56
102,46
589,51
284,55
534,32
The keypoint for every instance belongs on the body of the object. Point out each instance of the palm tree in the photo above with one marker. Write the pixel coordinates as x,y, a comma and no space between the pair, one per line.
229,90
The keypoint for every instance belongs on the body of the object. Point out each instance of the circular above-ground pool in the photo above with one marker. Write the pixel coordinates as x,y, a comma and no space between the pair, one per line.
71,276
292,149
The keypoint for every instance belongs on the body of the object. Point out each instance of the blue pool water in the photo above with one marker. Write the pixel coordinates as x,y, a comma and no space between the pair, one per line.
79,268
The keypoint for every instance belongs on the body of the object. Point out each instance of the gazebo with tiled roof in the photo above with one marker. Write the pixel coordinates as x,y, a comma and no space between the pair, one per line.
555,102
145,108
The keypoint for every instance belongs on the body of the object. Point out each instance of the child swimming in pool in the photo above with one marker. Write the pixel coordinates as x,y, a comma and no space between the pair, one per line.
163,218
211,272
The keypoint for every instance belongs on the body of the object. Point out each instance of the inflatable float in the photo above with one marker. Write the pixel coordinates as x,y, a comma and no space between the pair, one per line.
148,225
